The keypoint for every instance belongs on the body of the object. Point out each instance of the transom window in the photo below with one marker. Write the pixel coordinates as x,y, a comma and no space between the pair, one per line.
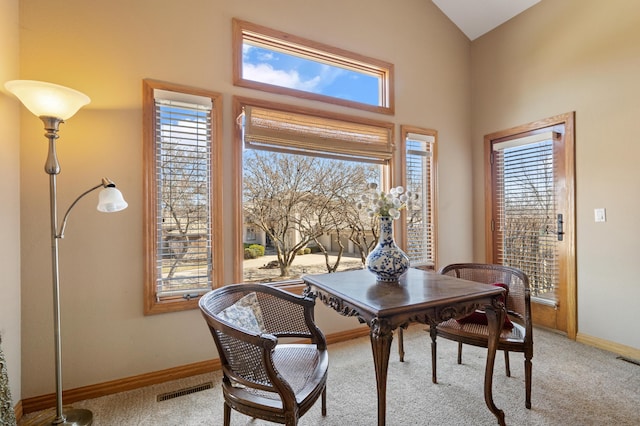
274,61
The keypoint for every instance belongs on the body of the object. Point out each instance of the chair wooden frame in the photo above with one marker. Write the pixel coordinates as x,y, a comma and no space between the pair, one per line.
262,376
518,307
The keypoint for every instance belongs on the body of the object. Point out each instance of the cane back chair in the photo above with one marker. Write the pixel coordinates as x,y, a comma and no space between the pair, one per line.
262,376
516,335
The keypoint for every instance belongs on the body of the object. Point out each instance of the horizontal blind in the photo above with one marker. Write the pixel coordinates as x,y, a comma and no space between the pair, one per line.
183,165
526,212
419,180
298,133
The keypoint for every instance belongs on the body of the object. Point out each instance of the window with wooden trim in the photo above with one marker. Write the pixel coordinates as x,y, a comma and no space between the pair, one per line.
302,174
277,62
181,195
525,179
419,167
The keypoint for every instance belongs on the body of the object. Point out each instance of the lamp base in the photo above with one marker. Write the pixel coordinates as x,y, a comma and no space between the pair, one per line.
72,417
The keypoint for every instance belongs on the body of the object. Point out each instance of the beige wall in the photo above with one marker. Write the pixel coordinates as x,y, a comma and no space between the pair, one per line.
559,56
10,196
104,49
582,56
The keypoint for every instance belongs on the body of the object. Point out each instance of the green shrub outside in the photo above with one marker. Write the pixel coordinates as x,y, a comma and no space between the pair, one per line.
253,251
249,253
259,249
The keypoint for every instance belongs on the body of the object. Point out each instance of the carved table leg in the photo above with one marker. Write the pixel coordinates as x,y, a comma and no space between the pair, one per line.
434,349
495,320
381,336
401,344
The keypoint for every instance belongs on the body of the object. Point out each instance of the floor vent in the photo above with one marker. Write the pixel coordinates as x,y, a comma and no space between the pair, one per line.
185,391
631,360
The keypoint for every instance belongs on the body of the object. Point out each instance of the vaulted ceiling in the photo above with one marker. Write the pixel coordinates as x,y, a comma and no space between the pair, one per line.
477,17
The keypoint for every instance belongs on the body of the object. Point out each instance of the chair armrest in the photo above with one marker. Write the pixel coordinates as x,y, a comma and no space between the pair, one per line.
289,315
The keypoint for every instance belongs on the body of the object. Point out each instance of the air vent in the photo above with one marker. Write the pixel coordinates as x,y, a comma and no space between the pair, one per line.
185,391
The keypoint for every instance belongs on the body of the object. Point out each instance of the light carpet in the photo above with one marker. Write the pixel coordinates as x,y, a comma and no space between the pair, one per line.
573,384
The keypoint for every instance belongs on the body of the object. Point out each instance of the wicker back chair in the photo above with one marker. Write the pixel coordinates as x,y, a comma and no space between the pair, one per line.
518,307
262,377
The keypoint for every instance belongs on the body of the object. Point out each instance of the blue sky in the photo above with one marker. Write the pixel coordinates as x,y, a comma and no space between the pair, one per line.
290,71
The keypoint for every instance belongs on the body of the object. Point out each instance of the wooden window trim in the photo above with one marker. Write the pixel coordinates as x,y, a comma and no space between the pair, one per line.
567,120
404,131
238,105
288,43
151,305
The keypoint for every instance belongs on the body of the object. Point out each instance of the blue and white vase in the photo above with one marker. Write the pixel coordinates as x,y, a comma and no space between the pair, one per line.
386,260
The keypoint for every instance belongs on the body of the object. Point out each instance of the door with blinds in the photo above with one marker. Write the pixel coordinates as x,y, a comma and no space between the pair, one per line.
530,213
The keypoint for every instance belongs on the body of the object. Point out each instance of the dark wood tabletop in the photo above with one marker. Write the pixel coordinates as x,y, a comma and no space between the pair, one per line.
419,296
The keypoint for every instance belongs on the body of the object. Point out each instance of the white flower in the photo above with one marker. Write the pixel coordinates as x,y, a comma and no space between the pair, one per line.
379,203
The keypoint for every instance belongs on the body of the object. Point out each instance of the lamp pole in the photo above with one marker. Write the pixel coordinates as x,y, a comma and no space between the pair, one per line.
52,167
53,104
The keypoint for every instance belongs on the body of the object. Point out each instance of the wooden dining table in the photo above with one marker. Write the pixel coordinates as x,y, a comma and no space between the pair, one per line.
419,296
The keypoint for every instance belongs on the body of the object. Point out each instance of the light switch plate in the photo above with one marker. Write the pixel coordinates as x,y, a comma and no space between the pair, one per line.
600,215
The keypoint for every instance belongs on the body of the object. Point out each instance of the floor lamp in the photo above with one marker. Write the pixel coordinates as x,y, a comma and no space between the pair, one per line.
53,104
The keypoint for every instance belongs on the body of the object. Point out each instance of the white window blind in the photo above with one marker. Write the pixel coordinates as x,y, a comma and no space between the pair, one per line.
419,180
526,218
183,165
299,133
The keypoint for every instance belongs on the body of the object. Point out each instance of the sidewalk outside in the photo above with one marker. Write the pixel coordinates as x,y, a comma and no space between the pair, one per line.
313,263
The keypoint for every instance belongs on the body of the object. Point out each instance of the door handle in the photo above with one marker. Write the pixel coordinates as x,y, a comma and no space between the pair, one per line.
560,227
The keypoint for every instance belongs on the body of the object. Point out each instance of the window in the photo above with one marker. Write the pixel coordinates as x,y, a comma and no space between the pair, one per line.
526,212
277,62
420,178
303,172
250,234
181,195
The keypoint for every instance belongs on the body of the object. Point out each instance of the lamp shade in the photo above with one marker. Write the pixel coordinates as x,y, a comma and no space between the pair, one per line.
111,200
48,99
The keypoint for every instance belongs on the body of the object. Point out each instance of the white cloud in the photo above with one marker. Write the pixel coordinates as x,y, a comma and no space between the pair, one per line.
267,74
328,74
266,57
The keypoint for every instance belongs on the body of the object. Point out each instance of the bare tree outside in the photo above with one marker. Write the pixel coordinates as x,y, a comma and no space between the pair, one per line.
337,213
297,199
184,208
363,231
529,222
